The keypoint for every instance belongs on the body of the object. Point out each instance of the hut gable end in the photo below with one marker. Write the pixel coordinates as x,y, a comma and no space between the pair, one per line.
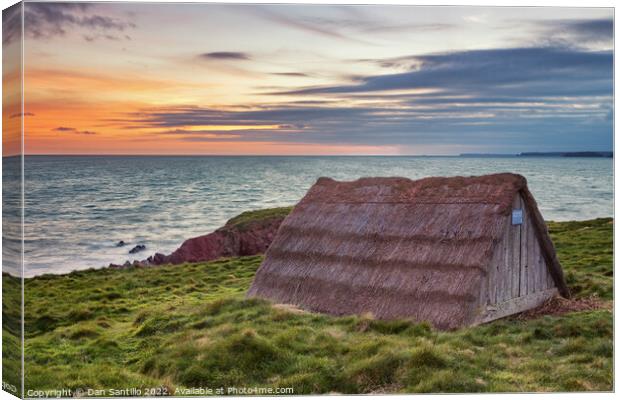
519,276
397,248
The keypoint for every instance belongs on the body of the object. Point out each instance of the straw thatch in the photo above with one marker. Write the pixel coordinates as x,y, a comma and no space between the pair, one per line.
394,247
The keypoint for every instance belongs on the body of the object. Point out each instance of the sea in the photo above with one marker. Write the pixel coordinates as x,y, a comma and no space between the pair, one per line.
78,207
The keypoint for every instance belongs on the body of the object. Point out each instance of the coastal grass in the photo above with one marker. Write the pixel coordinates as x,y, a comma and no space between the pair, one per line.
188,326
11,334
585,250
243,219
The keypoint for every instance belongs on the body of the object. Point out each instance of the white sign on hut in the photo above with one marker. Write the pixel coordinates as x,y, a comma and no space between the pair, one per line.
451,251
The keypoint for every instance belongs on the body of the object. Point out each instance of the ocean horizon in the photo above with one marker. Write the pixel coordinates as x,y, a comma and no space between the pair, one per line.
460,155
78,207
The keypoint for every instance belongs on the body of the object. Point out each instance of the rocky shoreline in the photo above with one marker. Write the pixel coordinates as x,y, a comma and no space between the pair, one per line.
247,234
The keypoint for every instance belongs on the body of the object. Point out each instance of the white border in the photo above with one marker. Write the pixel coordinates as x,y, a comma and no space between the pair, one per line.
487,3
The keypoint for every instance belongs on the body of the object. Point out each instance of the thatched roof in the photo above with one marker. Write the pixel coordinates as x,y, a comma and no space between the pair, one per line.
394,247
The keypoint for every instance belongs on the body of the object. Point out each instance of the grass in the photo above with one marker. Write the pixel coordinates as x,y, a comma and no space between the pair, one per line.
243,219
175,327
11,333
585,249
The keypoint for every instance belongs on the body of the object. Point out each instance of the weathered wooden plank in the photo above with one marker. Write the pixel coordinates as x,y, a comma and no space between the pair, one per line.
540,267
535,266
506,261
484,288
546,281
548,250
502,266
523,255
500,278
515,262
492,275
528,261
531,255
483,297
540,276
509,261
514,306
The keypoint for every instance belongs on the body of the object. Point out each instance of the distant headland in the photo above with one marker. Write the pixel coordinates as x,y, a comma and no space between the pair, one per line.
599,154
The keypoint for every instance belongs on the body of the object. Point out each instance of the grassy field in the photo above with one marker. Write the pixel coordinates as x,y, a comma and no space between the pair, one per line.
188,326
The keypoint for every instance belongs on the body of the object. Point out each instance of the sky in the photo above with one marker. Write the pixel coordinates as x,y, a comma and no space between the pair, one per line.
135,78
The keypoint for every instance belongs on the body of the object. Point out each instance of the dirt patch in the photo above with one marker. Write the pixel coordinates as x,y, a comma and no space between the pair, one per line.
560,305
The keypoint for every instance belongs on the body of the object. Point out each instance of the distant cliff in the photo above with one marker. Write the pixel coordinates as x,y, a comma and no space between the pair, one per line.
600,154
604,154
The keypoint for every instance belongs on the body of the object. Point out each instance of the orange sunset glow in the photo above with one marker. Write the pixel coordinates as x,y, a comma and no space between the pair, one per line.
122,78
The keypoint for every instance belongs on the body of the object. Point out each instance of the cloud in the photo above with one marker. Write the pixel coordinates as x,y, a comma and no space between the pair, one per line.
225,55
558,123
348,23
48,20
11,23
26,114
116,38
580,33
594,29
291,74
400,28
199,116
301,24
315,26
507,99
66,129
584,34
534,71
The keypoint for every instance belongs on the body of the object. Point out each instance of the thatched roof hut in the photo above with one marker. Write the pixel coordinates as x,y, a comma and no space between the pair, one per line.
451,251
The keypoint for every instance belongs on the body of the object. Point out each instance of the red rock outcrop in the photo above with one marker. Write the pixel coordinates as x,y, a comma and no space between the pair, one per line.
232,240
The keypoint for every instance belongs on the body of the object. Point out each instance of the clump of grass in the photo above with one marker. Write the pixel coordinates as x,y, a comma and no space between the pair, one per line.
80,314
158,323
44,323
445,381
426,356
81,332
374,372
